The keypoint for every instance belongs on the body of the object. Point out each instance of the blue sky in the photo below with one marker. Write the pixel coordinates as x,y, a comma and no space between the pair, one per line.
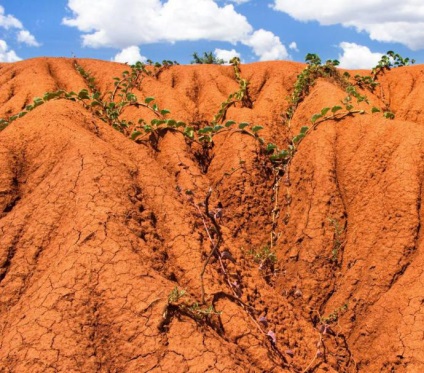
355,32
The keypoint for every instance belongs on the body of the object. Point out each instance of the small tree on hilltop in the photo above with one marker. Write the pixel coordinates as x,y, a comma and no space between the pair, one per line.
208,58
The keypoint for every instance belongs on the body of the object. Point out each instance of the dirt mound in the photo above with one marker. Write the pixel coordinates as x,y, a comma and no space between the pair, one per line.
318,258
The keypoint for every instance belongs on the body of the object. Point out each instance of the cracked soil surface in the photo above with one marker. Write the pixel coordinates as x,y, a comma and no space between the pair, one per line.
97,230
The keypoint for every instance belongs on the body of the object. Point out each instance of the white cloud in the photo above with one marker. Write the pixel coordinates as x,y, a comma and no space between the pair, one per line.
26,37
124,23
266,45
239,1
121,23
293,46
357,56
383,20
226,55
130,55
23,36
7,55
9,21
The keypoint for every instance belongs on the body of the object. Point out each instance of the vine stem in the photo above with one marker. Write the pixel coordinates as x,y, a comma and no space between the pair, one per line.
215,247
275,210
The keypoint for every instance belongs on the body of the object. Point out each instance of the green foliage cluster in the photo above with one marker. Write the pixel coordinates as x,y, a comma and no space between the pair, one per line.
208,58
306,79
334,316
365,82
110,106
239,96
264,256
194,309
389,60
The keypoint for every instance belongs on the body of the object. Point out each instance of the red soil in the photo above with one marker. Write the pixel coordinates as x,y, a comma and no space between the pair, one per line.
97,230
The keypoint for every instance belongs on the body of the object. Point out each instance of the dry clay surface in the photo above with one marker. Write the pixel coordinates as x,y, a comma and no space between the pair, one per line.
97,230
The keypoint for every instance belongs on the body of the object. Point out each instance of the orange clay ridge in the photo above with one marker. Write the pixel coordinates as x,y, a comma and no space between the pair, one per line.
103,239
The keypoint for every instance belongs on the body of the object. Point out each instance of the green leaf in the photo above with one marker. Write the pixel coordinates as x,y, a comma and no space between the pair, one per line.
131,97
297,138
164,111
205,130
336,108
148,100
217,128
29,107
229,123
22,113
38,101
388,115
255,129
375,110
3,124
325,111
160,122
155,107
189,132
135,134
70,94
243,125
180,124
171,123
270,147
283,153
315,117
83,95
49,96
96,103
304,129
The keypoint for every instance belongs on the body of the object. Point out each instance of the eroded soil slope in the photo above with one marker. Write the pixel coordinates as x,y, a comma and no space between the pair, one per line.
97,231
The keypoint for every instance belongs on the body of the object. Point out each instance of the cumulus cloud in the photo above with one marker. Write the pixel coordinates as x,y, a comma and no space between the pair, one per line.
266,45
226,55
130,55
10,22
384,20
26,37
239,1
293,46
7,55
357,56
124,23
121,23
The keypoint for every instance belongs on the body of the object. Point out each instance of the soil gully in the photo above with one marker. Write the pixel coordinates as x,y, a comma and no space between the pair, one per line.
320,264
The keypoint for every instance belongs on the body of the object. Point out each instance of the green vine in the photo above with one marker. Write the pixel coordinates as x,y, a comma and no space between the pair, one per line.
239,96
